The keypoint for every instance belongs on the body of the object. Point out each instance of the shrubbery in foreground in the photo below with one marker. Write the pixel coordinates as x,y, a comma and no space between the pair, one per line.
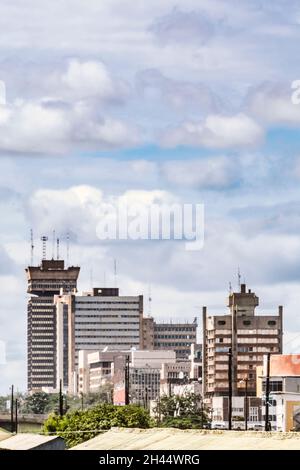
79,426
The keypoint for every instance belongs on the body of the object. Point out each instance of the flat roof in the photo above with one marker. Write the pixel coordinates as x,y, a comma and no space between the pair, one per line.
25,441
176,439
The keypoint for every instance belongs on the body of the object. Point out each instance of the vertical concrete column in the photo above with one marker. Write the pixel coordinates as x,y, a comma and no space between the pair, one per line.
234,349
204,353
280,313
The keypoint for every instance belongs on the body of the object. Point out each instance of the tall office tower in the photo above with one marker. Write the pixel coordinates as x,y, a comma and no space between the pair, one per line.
44,282
249,336
176,336
94,321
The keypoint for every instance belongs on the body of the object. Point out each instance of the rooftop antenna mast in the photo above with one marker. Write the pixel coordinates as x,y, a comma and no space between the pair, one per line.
53,244
230,288
149,301
68,248
57,248
31,247
239,277
115,272
44,240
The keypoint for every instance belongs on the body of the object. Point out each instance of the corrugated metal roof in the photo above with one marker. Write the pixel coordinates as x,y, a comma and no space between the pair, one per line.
25,441
175,439
4,434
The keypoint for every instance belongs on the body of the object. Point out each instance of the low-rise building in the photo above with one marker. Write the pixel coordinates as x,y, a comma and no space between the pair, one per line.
284,388
220,408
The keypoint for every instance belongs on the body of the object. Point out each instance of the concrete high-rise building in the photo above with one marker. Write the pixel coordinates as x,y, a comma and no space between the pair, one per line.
94,321
44,282
249,336
176,336
148,333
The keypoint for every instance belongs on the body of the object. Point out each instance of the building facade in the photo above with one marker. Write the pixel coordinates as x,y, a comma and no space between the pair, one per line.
43,282
248,336
148,333
99,320
99,367
176,336
255,417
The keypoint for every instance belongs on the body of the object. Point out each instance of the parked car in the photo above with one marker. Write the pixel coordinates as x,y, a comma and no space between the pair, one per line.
218,426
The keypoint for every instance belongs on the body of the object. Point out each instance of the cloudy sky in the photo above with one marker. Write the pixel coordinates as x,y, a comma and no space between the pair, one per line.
160,101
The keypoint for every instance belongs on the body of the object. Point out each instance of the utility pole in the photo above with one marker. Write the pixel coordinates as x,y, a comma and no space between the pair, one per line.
16,416
61,400
267,423
246,403
127,401
229,389
12,409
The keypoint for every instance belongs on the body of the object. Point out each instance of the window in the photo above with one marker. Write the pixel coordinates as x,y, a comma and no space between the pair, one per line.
253,413
275,386
246,322
221,322
271,322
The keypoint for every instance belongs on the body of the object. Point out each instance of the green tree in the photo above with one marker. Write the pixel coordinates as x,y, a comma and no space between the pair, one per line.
36,403
183,411
78,426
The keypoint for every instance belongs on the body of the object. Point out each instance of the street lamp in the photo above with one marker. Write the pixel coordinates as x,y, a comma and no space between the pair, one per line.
245,381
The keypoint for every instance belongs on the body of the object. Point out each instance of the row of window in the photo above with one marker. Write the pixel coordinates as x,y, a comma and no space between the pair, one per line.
186,336
247,322
179,328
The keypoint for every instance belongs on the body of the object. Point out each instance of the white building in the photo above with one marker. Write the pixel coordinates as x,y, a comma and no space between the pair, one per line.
91,322
98,367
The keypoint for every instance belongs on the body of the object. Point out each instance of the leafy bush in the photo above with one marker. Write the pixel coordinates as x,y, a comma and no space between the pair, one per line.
187,422
79,426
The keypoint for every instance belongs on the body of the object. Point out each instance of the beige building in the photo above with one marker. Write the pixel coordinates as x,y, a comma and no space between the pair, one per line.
148,333
249,336
94,321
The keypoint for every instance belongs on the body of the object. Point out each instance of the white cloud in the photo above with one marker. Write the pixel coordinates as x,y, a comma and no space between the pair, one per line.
177,94
205,173
90,79
216,131
44,127
76,209
30,127
183,26
272,104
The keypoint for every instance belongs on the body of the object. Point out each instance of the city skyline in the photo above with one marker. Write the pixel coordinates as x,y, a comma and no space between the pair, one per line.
159,103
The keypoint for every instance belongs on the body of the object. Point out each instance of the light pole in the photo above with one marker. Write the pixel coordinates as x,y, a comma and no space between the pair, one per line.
267,422
16,416
245,381
229,389
61,400
12,409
